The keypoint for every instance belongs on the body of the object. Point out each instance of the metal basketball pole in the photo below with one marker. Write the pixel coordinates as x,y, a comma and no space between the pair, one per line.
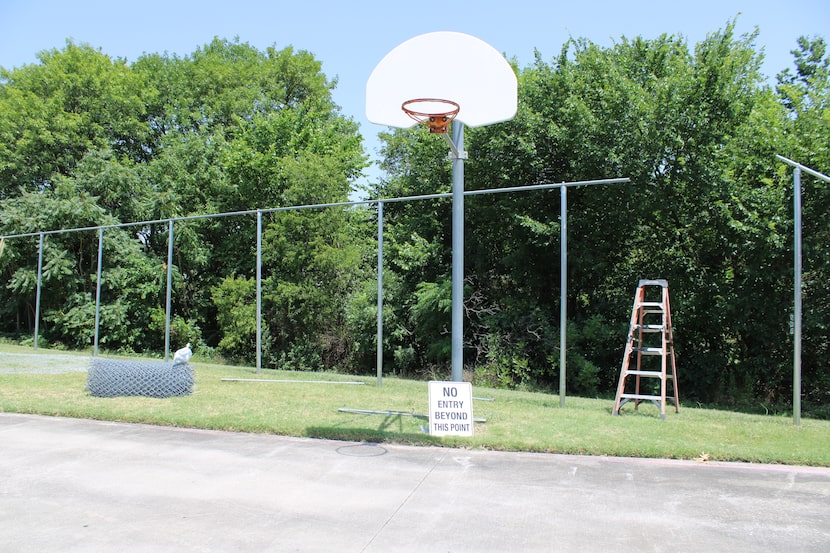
457,251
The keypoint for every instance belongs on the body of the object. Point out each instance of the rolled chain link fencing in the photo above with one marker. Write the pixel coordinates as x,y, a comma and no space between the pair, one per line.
116,377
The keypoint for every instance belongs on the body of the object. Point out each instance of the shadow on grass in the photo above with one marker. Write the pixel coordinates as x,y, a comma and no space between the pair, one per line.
391,427
369,435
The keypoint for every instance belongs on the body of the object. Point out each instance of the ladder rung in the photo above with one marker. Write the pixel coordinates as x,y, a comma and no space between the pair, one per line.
642,396
650,328
653,374
651,305
653,282
649,351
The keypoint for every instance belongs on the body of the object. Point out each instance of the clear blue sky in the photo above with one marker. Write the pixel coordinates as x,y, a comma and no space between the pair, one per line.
350,37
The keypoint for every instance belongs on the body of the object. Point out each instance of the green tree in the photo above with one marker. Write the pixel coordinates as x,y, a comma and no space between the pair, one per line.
235,301
417,256
226,128
241,130
131,287
53,113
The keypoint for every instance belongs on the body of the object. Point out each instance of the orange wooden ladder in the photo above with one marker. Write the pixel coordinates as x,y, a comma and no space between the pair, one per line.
649,318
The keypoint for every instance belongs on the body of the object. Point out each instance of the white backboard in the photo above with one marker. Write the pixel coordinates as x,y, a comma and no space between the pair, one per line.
447,65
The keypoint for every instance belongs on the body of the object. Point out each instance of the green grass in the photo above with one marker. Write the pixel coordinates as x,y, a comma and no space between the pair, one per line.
515,421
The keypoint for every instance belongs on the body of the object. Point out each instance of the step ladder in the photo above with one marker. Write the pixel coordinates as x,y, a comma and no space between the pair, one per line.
649,337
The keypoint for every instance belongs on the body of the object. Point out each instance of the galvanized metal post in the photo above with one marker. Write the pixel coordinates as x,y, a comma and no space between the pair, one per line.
797,298
168,306
563,290
797,168
458,253
258,290
98,289
39,285
380,294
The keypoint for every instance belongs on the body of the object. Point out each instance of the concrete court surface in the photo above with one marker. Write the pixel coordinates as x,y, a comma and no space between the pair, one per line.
71,485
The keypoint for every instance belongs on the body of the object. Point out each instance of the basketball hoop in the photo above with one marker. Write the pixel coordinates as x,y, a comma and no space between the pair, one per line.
432,112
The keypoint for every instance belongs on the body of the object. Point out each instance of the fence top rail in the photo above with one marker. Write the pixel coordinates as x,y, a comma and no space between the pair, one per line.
541,186
804,168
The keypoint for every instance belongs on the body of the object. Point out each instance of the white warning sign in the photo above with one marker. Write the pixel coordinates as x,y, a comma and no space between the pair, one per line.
450,408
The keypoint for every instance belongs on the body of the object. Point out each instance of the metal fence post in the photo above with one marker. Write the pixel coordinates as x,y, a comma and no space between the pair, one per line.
169,290
39,285
797,312
98,289
563,291
258,290
380,294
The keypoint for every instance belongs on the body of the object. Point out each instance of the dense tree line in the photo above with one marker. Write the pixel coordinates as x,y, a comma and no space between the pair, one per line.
86,140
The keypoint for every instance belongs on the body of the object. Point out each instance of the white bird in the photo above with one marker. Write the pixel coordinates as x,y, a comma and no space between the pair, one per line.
183,355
